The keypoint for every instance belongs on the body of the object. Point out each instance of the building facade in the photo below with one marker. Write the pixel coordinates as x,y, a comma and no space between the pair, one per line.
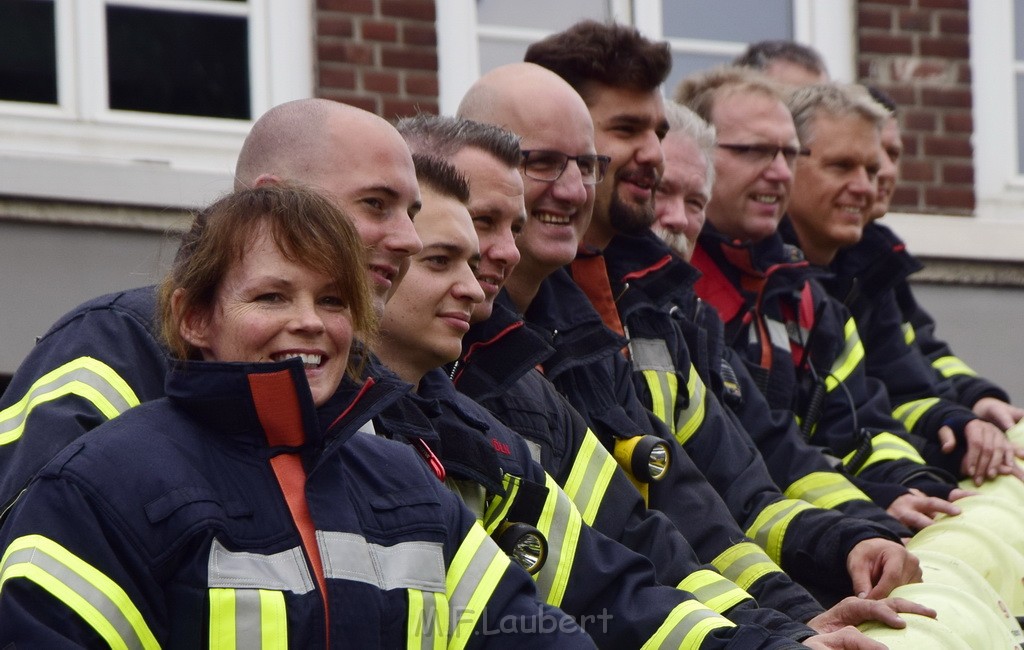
118,116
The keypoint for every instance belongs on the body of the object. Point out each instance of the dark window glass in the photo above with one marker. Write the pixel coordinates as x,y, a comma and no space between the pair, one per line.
28,51
174,62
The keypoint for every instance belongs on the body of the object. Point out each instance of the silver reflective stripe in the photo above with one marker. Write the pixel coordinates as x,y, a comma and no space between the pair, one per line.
534,450
84,377
560,524
248,619
368,428
651,354
694,627
73,581
283,571
406,565
777,333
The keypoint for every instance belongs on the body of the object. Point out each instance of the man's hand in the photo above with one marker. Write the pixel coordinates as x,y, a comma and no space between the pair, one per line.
877,566
854,611
998,412
989,452
917,510
848,638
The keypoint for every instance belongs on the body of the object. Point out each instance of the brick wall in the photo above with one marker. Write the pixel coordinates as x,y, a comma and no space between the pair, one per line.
380,55
918,51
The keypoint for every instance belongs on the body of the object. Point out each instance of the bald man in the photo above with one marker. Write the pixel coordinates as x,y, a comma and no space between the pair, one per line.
106,356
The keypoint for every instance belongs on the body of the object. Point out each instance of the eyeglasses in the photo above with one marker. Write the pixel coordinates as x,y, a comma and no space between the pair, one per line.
546,165
764,154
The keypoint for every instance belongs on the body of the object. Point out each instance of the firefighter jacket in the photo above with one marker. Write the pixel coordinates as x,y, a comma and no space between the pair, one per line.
710,403
234,514
863,279
804,352
587,368
610,590
97,361
497,369
789,529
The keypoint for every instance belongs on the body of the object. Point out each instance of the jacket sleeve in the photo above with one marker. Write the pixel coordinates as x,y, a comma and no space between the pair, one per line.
91,366
71,578
919,330
613,591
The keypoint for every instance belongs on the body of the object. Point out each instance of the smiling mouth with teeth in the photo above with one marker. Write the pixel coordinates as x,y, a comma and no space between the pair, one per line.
766,198
308,360
552,219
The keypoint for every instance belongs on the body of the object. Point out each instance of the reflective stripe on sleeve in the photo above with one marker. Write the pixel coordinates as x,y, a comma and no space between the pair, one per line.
498,508
427,628
886,446
93,596
473,576
248,618
406,565
909,335
84,377
909,413
825,490
848,359
653,359
714,590
560,523
769,529
951,366
690,418
745,563
686,627
589,478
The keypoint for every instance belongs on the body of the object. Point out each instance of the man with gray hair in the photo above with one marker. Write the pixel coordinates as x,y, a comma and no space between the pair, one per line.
834,191
685,186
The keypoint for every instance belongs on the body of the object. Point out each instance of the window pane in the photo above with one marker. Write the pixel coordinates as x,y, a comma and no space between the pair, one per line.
684,64
28,52
175,62
549,15
494,52
1018,23
746,21
1019,77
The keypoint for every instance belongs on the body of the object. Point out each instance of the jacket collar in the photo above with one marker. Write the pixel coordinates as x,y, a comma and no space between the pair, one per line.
497,353
269,404
647,263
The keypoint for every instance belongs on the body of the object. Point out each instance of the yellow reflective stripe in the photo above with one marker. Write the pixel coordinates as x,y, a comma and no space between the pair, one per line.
222,619
590,476
497,509
663,387
714,590
472,577
85,377
769,529
248,618
686,626
560,523
951,366
886,446
909,335
825,490
274,620
910,412
427,627
849,358
97,599
690,418
745,563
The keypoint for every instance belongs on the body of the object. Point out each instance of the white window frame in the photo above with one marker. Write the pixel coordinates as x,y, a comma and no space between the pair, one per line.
80,150
828,27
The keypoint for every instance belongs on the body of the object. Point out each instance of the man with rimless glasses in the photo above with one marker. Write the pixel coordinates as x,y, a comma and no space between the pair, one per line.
800,345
